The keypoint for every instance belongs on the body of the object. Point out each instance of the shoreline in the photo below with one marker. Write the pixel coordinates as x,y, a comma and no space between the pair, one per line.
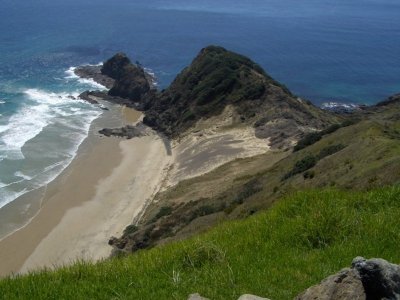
72,196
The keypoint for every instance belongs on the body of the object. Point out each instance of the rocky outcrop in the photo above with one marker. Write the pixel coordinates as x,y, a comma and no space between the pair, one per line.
88,97
94,97
344,285
381,279
366,279
131,81
114,67
94,73
128,131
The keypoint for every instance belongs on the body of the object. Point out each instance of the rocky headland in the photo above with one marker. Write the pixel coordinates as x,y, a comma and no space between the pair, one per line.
221,108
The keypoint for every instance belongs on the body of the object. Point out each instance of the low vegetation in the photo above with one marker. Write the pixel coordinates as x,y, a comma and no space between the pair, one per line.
310,161
313,137
278,253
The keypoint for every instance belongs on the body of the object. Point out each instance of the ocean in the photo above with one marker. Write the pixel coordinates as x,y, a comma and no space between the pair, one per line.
330,50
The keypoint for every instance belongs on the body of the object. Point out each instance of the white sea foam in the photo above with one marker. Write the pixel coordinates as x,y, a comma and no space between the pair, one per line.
51,167
23,126
92,83
57,114
44,97
29,121
71,118
62,123
4,128
71,73
152,76
340,106
7,194
49,173
22,175
2,184
84,81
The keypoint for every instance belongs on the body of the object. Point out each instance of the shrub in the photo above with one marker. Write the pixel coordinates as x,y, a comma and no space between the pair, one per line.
312,138
202,211
331,129
309,175
308,140
249,188
164,211
302,165
130,229
330,150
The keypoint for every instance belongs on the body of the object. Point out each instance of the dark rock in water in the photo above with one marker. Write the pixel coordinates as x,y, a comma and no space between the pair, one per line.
114,67
131,81
128,131
367,279
94,72
87,96
95,96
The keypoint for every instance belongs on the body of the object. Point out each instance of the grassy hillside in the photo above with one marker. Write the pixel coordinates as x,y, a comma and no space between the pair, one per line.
277,253
361,156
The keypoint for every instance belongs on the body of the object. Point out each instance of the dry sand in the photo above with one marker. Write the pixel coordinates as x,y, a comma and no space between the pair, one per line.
96,197
211,143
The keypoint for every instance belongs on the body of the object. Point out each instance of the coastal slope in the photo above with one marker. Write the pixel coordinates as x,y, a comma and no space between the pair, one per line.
217,79
359,154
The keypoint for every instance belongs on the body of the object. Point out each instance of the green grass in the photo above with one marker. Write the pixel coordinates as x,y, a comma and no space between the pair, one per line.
277,254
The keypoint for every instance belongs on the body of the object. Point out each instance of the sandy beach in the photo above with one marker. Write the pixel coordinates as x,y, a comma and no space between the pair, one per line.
95,197
109,183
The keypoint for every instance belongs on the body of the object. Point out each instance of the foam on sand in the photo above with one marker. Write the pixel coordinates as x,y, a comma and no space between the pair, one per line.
55,114
87,82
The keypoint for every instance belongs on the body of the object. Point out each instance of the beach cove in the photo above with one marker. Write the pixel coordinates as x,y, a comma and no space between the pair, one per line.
95,197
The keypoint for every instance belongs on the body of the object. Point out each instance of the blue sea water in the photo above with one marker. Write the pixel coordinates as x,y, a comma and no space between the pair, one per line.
323,50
